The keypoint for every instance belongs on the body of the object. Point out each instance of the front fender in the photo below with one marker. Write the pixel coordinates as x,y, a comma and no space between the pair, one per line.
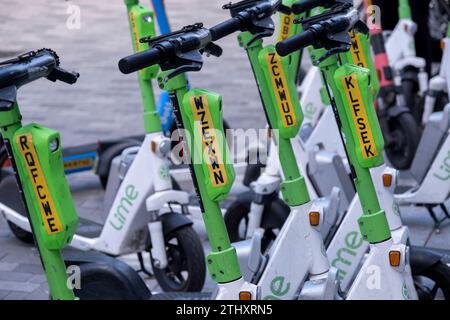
422,258
275,214
172,221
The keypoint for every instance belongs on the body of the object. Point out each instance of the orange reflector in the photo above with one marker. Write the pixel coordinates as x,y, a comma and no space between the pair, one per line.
314,218
394,258
153,145
387,179
245,295
442,44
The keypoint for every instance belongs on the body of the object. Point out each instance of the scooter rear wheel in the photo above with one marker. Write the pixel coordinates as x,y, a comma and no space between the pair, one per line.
186,269
404,139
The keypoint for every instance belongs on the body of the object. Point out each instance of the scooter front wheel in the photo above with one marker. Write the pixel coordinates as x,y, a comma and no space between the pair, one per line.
432,280
21,234
186,269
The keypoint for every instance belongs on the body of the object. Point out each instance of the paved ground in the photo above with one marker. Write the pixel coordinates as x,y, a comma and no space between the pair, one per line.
106,104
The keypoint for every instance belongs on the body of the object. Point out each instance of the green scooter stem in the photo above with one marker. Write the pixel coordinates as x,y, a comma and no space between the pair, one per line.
288,29
293,187
141,23
373,222
404,9
52,260
222,262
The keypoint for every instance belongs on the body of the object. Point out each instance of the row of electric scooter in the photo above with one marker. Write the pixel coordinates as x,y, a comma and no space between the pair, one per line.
322,218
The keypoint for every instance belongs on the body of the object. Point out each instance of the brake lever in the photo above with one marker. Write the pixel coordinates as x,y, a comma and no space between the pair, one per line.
188,61
63,75
212,49
329,53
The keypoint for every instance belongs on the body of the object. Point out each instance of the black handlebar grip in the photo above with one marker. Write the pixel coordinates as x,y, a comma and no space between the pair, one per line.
305,5
140,60
225,28
294,43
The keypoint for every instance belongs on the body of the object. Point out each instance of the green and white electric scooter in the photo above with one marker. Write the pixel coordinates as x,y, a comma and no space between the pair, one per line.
36,156
353,107
199,114
138,213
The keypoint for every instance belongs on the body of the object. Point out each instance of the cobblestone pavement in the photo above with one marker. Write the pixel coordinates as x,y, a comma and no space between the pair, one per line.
106,104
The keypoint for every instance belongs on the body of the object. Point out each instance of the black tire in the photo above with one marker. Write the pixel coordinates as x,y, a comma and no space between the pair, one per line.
405,135
237,213
21,234
439,274
410,89
186,255
113,281
10,196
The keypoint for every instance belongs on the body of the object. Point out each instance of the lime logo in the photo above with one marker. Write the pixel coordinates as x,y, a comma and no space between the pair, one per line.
359,116
119,218
205,126
405,292
164,172
357,50
47,208
309,110
282,94
444,173
345,255
395,208
323,250
278,288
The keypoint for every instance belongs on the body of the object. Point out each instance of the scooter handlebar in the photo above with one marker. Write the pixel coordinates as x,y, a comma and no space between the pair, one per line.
295,43
140,60
225,28
32,66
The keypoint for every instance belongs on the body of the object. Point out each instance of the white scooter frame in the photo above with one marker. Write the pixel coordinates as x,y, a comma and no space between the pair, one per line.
137,207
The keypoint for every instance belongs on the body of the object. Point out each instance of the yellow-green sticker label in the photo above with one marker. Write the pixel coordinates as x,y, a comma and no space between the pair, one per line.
210,146
359,116
282,94
357,50
50,217
78,163
286,21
